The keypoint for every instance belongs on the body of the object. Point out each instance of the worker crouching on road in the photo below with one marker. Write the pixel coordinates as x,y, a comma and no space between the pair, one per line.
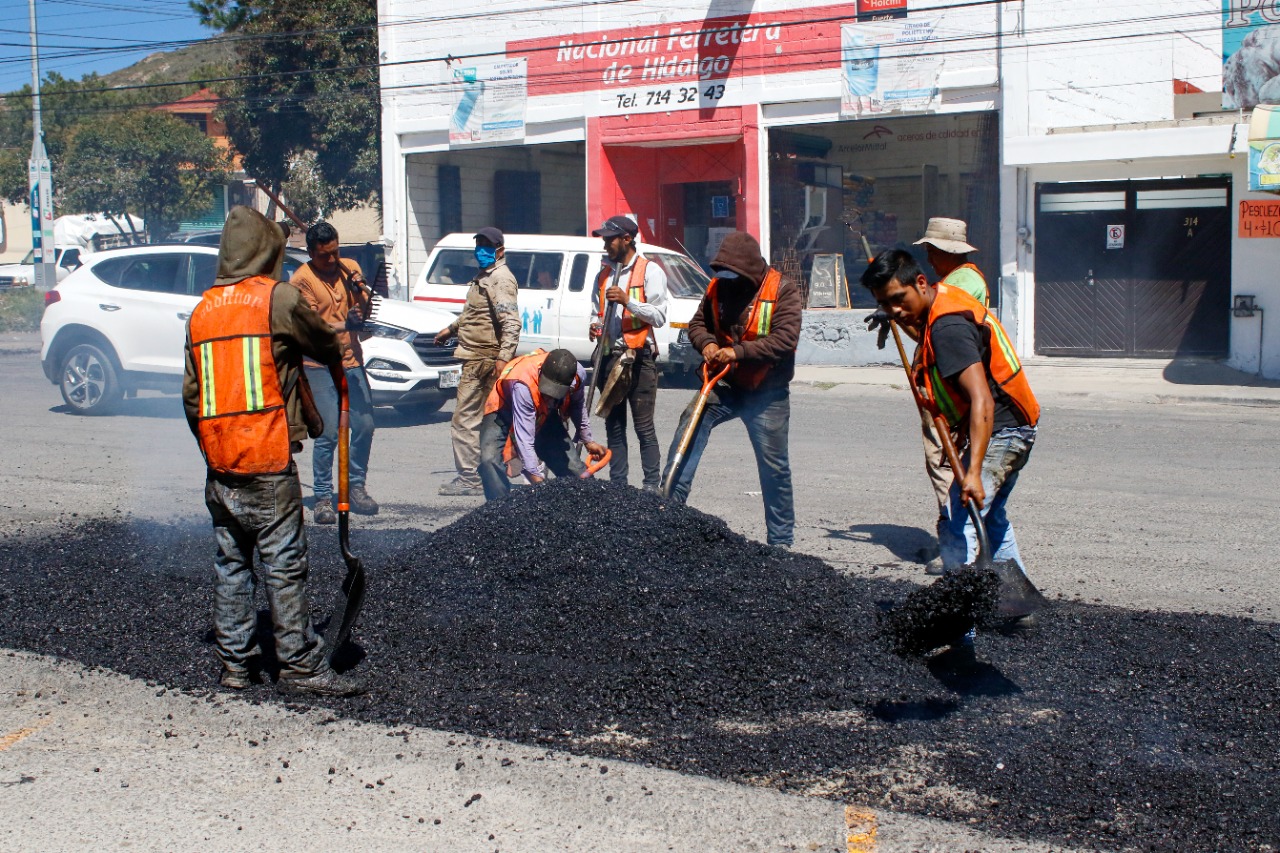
749,320
247,403
639,297
525,417
965,370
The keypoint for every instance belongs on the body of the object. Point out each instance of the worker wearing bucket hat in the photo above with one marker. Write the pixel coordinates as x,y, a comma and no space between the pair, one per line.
946,242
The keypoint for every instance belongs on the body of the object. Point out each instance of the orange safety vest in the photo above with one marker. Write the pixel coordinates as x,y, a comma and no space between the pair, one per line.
942,396
527,370
242,427
759,324
634,330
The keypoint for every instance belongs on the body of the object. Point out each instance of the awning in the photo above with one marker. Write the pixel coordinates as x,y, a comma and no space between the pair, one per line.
1264,149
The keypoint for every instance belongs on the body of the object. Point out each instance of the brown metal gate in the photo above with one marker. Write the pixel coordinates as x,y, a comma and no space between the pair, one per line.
1134,268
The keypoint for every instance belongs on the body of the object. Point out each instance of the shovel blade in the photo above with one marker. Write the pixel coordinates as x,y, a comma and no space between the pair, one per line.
1018,595
346,609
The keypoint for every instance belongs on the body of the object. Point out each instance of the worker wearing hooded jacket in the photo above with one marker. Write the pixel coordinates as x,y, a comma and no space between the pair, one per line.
247,403
966,371
749,321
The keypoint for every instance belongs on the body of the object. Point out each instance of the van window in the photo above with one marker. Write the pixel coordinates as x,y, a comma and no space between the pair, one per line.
578,276
204,269
453,266
684,278
535,270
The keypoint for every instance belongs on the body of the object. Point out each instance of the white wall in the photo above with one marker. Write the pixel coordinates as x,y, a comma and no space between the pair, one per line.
17,233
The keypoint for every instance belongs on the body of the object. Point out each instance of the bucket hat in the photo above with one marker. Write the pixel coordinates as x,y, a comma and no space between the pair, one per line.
948,235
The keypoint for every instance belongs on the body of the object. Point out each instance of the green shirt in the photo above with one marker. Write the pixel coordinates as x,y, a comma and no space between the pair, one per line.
966,277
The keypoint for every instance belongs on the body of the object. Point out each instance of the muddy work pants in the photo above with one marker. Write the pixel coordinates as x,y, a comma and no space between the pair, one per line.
551,443
478,376
642,399
1007,453
263,512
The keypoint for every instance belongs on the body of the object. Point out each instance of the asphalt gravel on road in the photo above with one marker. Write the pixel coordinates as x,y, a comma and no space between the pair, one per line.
601,620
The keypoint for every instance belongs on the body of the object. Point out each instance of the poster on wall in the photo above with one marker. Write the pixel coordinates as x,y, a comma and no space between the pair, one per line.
1250,53
888,67
489,100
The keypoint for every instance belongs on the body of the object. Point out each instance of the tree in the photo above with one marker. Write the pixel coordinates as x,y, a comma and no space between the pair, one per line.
310,92
147,163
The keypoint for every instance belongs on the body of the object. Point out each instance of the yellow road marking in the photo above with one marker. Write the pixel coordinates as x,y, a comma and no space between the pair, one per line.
862,829
13,737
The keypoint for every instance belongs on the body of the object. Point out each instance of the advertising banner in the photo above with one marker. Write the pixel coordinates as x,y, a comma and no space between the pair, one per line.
1264,149
888,67
40,178
1250,53
489,100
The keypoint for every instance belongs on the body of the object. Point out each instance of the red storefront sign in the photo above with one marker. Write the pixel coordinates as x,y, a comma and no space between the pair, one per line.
875,10
687,51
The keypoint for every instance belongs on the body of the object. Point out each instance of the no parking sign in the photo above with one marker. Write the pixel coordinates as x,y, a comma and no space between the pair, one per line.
1115,236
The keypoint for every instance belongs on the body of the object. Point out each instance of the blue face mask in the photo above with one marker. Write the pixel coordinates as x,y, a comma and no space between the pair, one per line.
486,256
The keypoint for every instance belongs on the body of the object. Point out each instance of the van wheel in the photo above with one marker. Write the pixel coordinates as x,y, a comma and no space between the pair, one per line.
89,384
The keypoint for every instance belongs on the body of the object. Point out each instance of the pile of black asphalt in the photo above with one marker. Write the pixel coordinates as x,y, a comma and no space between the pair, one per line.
603,621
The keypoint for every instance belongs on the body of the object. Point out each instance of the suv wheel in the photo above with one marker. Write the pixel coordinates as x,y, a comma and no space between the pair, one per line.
89,383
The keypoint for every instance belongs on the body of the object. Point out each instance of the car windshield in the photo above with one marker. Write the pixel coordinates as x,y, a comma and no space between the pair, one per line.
30,257
453,266
685,279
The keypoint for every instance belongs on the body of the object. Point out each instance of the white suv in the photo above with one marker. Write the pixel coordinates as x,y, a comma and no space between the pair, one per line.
118,324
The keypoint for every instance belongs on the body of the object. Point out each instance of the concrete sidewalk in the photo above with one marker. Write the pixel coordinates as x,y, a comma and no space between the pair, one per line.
1058,380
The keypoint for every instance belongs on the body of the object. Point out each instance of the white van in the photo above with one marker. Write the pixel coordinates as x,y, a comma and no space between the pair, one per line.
555,276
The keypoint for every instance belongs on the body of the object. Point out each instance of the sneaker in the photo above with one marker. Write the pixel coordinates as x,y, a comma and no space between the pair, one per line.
323,512
361,503
235,679
457,488
324,682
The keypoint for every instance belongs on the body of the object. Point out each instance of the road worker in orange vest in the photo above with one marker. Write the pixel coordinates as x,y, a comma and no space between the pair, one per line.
748,321
639,297
525,419
247,402
965,369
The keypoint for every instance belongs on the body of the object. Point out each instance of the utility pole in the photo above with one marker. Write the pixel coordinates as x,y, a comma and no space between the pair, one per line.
40,178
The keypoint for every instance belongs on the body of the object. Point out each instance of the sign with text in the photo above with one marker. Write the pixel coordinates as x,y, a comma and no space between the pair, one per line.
1250,41
1115,236
1259,219
828,287
887,67
488,101
881,10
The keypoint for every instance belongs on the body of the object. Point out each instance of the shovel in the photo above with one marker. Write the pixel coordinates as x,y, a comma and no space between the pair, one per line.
350,598
597,358
700,404
595,464
1018,596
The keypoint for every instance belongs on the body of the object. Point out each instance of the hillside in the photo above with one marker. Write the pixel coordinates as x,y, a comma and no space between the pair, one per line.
174,66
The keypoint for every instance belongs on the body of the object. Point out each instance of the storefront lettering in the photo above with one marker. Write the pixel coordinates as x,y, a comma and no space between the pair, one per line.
1240,11
672,65
1259,219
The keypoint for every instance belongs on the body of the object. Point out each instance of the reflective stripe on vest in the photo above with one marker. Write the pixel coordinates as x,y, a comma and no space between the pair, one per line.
759,324
242,427
943,396
635,332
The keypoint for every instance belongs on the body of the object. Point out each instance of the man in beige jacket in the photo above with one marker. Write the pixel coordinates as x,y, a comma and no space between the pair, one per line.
488,330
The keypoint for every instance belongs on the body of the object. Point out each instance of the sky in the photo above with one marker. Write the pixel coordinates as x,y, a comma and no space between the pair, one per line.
78,37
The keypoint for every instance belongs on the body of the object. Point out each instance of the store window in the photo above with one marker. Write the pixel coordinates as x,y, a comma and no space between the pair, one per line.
834,186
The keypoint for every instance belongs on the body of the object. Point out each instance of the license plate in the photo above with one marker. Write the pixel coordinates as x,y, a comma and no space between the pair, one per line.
449,378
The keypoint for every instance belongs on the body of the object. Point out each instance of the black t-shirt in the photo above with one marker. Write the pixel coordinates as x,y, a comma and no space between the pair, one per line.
958,343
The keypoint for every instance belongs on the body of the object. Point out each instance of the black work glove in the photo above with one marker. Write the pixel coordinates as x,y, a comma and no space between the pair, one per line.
878,320
354,321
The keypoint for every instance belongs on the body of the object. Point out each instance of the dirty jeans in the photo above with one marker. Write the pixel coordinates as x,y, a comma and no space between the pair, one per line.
642,397
361,405
474,386
1007,453
265,512
551,443
766,414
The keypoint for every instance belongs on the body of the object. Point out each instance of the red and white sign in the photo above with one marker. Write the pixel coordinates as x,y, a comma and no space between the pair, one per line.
687,53
1115,236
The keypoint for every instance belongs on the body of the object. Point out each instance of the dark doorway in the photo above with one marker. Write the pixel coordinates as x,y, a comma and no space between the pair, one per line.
1135,268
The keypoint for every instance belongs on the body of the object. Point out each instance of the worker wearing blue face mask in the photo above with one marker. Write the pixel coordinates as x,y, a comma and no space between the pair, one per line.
487,332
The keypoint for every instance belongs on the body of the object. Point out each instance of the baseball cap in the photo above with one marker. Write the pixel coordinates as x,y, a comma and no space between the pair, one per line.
615,226
493,235
558,372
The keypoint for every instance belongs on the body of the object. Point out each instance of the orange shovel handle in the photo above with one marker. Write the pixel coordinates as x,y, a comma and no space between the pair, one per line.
595,463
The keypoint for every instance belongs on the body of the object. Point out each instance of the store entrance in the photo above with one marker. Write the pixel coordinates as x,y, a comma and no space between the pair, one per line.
696,216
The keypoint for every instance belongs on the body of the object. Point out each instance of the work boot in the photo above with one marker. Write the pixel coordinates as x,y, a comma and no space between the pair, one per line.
458,488
235,679
934,567
323,513
322,682
361,503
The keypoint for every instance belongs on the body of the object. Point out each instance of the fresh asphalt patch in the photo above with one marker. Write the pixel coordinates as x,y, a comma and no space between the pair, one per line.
603,621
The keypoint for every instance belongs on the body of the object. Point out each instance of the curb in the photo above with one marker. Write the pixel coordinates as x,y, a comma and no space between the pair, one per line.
1140,396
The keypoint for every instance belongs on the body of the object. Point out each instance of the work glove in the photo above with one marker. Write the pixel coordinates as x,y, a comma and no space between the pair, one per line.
878,320
354,321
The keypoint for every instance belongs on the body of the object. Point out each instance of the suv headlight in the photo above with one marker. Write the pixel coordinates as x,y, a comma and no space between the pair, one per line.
374,329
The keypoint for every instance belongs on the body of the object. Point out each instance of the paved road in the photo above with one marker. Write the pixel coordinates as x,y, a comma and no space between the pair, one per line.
1126,502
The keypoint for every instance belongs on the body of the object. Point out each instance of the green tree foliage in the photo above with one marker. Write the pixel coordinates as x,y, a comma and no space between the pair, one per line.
309,92
144,162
